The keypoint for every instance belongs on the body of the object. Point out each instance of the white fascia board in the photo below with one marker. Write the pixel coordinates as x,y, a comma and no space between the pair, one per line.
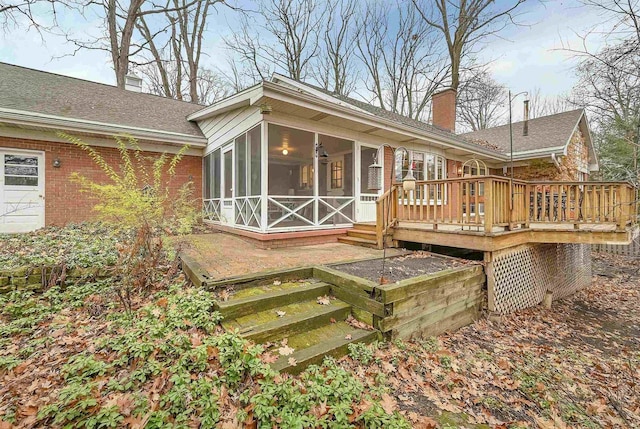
51,136
538,153
316,93
236,101
275,91
20,117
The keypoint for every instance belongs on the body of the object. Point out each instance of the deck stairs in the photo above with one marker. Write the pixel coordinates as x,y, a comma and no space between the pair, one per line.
362,234
301,314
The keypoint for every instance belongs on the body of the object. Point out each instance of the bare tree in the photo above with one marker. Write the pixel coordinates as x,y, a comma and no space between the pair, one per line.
283,38
211,86
540,105
174,68
464,23
481,102
403,61
120,38
163,73
620,29
609,86
334,68
16,13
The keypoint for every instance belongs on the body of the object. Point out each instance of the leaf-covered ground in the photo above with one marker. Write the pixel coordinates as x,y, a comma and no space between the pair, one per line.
72,358
576,365
83,245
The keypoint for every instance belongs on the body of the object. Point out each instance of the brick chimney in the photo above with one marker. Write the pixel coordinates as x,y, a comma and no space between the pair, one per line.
444,109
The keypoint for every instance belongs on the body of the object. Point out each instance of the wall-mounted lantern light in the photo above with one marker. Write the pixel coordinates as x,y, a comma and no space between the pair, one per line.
57,163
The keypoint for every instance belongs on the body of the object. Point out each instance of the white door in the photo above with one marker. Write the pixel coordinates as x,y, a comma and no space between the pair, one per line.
21,190
366,198
228,179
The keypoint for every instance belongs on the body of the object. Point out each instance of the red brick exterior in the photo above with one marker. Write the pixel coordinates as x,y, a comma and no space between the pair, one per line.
64,203
285,239
444,109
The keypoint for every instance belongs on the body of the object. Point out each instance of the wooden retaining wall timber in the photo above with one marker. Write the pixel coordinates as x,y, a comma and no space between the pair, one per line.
431,304
417,307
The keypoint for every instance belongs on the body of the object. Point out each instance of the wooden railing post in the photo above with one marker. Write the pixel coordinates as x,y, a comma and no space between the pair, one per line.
488,205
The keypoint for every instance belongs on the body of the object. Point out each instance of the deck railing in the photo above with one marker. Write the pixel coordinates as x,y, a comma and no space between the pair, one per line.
489,202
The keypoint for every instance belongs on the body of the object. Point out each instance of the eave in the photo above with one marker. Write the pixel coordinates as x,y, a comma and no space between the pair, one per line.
275,91
41,120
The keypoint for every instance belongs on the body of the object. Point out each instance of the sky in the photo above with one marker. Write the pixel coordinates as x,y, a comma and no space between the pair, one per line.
523,58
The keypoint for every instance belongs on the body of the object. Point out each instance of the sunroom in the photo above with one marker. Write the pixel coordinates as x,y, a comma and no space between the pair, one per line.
275,178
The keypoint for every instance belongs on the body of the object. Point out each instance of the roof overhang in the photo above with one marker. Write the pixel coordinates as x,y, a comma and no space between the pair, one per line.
294,96
327,106
40,120
245,98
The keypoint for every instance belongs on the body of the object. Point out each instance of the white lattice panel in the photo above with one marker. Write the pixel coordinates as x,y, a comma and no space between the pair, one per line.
524,274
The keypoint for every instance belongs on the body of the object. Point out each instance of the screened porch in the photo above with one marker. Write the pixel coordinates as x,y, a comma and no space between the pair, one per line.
275,178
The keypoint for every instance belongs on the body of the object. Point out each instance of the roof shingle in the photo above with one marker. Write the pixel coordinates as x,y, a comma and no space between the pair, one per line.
544,133
52,94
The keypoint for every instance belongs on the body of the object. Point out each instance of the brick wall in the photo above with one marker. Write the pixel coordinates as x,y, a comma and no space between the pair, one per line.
64,203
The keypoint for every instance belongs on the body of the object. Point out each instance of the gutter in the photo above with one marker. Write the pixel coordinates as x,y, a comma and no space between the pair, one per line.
21,117
555,160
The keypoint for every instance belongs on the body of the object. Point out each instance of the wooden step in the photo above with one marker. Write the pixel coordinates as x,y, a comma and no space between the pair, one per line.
365,226
362,233
332,340
355,241
308,317
238,307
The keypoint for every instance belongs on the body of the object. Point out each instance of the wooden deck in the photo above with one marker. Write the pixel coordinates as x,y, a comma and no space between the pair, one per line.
491,213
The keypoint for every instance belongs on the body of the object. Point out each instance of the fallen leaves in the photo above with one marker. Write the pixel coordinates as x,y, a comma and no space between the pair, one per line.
324,300
284,348
578,363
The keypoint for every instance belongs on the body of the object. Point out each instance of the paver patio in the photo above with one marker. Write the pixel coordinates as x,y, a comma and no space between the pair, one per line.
225,255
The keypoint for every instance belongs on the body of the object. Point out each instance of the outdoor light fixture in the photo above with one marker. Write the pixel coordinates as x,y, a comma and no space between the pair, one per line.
409,182
321,153
285,152
374,179
57,163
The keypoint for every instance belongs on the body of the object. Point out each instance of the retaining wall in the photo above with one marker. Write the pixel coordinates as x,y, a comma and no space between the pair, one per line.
39,278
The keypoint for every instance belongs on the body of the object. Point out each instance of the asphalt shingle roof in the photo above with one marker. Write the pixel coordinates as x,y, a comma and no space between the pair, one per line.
52,94
544,132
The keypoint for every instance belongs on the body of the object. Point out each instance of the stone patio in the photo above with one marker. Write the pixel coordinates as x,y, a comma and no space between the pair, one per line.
225,255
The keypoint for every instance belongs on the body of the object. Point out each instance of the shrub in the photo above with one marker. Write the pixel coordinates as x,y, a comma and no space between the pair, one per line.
137,201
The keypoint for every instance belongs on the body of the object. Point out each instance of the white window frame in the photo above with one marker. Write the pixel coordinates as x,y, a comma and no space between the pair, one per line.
425,154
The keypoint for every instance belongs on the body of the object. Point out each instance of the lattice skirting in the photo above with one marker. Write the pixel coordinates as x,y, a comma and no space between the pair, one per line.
523,274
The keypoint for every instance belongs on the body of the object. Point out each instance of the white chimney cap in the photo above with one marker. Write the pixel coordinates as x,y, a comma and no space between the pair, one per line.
132,83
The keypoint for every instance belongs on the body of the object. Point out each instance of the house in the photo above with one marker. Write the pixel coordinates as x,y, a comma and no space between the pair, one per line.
553,147
286,163
34,186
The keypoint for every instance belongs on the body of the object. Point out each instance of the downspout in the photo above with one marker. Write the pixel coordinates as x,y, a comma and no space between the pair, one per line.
555,160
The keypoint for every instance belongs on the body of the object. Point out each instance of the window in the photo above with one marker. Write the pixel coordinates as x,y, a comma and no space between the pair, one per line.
336,175
20,170
425,166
